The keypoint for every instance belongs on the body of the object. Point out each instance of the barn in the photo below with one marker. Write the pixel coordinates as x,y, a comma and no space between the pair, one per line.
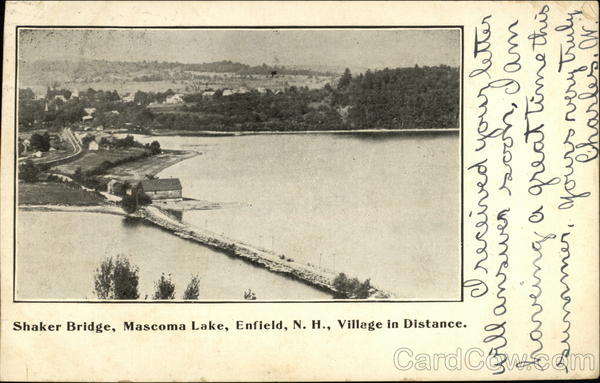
162,188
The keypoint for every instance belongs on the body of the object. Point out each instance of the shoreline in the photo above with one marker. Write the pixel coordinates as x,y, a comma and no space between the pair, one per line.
217,133
103,209
153,165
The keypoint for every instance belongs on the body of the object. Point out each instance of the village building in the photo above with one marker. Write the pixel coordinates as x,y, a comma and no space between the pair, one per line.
93,145
208,94
130,97
175,99
116,187
26,145
162,188
228,92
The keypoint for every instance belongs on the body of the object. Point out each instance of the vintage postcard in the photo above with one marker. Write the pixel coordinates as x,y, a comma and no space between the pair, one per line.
299,191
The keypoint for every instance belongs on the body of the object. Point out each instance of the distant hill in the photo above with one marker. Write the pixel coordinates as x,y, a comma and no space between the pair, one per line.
46,73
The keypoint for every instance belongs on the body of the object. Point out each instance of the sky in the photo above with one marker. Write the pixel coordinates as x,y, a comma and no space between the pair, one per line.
354,48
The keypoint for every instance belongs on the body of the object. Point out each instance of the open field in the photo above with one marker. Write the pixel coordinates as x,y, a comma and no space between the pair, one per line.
204,81
138,169
53,193
93,159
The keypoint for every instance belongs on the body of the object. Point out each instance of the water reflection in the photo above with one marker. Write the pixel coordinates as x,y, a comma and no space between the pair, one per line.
132,222
385,136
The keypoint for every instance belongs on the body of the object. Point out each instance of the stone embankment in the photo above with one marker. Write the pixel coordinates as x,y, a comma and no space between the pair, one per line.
307,273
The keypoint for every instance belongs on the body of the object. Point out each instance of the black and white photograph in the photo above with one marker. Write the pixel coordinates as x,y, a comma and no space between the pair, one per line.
236,164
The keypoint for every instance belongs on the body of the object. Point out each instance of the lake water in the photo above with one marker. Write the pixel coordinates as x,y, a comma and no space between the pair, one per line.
60,251
380,206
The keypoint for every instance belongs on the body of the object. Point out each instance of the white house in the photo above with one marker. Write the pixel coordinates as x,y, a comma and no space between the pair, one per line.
208,94
228,92
93,145
128,98
175,99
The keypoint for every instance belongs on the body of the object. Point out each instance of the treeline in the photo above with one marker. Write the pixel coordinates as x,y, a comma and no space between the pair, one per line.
403,98
294,110
49,71
227,66
118,278
418,98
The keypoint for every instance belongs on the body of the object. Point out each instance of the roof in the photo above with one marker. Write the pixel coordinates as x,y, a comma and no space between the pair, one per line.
161,184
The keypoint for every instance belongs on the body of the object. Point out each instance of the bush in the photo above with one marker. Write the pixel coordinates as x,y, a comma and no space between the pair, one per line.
154,147
192,291
116,279
249,295
131,203
28,172
351,288
165,289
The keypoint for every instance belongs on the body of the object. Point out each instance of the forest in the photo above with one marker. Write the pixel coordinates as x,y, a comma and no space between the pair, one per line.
402,98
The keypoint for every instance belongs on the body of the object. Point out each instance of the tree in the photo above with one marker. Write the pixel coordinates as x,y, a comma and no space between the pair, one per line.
87,139
40,142
78,175
192,291
155,147
28,172
345,80
116,279
347,288
26,95
165,289
129,204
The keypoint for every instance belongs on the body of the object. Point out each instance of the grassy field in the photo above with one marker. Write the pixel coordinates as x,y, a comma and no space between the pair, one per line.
138,169
215,81
92,159
52,193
